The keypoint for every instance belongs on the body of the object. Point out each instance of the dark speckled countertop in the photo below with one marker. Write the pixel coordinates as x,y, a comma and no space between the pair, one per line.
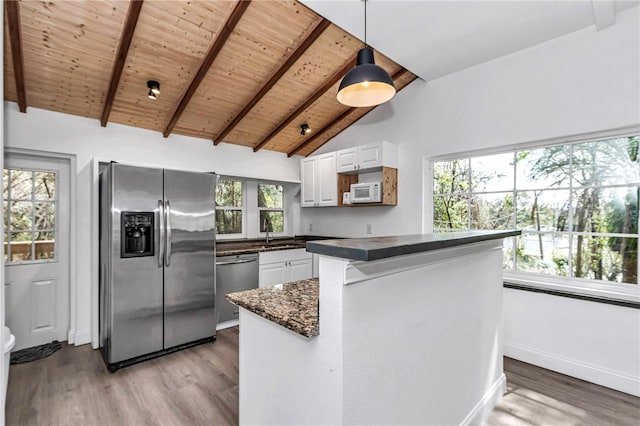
383,247
229,249
293,305
257,245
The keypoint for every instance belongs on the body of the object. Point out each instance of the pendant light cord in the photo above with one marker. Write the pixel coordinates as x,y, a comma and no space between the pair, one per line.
365,23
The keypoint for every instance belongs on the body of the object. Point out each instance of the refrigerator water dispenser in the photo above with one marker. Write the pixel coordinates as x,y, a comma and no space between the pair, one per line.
136,238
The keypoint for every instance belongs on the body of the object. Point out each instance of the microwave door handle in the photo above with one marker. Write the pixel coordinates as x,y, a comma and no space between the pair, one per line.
161,229
167,249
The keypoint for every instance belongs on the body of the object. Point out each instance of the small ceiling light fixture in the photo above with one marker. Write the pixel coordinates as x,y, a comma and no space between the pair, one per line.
367,84
305,129
154,89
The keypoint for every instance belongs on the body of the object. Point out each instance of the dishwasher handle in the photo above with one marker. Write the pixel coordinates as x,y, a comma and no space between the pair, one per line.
236,262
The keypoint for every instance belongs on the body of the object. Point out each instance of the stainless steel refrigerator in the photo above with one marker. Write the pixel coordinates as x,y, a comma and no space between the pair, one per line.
157,262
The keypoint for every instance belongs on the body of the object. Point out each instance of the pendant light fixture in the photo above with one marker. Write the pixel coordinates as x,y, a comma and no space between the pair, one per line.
367,84
305,129
154,89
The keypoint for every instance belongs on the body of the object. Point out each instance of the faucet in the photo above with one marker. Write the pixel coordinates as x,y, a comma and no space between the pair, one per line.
266,226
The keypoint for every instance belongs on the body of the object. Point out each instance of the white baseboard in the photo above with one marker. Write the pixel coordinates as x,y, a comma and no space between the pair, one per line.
481,412
71,336
81,337
227,324
573,368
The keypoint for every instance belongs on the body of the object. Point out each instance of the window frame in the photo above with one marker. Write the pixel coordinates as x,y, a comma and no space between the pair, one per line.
273,209
8,230
242,209
596,288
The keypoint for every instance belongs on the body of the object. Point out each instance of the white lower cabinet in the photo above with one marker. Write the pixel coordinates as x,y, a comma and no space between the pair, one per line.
283,266
301,269
315,268
272,274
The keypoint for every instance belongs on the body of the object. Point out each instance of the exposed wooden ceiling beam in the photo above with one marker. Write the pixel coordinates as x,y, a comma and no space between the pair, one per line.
335,121
216,47
314,97
123,50
293,57
13,19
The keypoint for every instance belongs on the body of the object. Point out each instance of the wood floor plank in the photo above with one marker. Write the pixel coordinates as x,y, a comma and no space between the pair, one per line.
199,386
541,397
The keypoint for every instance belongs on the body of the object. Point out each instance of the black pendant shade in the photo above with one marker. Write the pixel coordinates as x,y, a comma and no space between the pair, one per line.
366,84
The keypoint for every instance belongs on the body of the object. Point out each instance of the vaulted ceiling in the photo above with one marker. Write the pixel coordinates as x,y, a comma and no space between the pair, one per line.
242,72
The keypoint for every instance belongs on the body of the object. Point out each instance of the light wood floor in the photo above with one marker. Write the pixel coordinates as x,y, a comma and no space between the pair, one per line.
199,386
196,386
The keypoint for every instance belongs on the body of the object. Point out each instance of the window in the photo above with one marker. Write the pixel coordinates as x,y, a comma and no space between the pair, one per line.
229,206
576,204
29,203
271,207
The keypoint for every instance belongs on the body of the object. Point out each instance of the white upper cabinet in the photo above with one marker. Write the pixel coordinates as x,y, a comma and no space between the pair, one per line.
368,157
347,160
319,181
327,179
308,173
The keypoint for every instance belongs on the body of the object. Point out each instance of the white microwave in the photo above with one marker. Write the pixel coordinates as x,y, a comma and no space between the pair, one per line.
368,192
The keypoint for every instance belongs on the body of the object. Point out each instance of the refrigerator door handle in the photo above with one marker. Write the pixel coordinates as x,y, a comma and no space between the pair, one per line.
161,229
167,249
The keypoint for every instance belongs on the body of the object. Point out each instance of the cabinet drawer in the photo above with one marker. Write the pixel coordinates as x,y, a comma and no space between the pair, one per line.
283,256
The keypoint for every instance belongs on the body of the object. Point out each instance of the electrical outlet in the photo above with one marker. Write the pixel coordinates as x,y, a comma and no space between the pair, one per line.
311,227
369,228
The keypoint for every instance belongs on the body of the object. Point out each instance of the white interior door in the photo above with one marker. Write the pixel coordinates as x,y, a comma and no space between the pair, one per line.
36,206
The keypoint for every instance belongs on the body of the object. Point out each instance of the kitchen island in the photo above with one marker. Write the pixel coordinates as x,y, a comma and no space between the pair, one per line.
407,331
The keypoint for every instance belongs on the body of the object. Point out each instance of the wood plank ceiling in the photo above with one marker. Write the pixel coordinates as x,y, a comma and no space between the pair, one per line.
243,72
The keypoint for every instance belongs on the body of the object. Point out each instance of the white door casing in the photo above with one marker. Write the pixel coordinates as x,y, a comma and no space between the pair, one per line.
36,284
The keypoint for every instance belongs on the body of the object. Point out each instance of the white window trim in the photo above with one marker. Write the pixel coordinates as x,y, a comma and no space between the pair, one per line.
251,212
285,211
595,288
242,209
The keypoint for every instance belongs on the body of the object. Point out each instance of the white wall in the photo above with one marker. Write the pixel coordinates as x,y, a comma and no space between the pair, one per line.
592,341
584,82
55,132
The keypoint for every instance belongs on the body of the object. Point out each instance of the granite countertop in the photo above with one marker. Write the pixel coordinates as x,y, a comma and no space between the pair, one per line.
235,247
256,248
246,247
368,249
293,305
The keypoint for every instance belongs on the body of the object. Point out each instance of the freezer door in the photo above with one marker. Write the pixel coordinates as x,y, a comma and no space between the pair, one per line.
189,273
135,285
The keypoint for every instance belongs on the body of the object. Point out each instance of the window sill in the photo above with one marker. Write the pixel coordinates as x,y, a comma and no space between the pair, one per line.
220,237
576,289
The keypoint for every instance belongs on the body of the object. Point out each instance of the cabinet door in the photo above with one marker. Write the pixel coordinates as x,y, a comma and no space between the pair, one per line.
327,190
308,178
347,160
272,274
300,269
370,156
315,266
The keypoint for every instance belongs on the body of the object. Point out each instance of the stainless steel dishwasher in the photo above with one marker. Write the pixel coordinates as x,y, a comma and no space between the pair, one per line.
234,273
